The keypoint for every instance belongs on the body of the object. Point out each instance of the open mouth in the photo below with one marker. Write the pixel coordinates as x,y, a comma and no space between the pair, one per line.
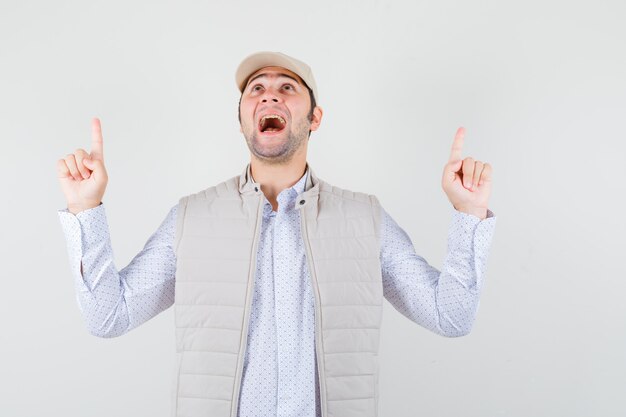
271,123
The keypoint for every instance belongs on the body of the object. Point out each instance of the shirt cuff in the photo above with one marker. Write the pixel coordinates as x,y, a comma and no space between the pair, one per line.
92,222
466,228
87,229
469,240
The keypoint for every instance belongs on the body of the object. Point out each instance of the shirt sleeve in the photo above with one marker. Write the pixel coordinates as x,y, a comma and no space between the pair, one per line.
113,302
445,301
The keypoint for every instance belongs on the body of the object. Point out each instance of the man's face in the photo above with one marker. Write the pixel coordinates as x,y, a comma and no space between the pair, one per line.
274,108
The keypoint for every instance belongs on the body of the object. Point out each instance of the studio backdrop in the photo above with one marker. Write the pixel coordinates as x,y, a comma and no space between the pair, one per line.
538,85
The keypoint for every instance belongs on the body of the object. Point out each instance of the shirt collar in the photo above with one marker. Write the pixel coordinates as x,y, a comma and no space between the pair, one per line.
299,186
287,197
305,196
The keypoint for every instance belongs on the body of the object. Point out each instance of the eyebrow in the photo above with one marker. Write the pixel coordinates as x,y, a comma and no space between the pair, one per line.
264,75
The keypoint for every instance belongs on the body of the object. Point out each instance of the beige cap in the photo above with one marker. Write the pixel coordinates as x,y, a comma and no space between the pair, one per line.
258,60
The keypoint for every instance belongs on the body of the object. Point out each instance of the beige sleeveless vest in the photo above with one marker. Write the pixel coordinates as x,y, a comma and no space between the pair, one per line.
217,235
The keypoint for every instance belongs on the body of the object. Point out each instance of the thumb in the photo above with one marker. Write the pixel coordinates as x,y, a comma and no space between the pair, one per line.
90,163
450,171
455,166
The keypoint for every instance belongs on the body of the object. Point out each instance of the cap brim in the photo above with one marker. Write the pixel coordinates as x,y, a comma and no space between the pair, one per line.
258,60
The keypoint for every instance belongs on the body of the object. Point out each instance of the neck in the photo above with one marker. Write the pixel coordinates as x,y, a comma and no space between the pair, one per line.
276,177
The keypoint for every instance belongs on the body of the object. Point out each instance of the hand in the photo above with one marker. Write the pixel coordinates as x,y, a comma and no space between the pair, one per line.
82,176
466,182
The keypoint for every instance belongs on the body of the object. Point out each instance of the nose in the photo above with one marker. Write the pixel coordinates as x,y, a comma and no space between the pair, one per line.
269,96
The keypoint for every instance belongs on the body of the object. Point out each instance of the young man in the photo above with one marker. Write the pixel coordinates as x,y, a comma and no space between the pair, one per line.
277,277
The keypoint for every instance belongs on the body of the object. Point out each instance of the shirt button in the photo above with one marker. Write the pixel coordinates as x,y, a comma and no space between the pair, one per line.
301,202
256,189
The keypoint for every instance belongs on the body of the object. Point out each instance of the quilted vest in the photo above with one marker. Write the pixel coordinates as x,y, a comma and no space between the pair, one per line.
216,241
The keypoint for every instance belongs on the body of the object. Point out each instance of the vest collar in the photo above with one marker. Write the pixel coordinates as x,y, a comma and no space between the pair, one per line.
311,186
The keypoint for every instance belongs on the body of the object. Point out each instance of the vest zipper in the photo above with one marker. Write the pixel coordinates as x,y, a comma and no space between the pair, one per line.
246,312
318,324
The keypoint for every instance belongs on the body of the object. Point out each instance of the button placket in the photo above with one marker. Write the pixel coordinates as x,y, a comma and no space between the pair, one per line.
280,295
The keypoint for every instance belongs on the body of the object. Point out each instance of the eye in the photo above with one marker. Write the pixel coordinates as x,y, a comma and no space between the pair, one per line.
256,87
288,86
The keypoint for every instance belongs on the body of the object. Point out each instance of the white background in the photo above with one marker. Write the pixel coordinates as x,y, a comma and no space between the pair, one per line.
539,85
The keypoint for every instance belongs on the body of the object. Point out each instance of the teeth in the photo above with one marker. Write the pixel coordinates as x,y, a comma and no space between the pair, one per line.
273,116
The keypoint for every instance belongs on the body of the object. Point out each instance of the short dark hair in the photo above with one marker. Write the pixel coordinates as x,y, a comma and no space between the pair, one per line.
309,116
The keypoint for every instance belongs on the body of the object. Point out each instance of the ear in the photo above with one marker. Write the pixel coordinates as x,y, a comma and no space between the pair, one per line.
317,117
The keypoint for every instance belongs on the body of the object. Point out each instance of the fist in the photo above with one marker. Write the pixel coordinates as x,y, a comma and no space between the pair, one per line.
82,176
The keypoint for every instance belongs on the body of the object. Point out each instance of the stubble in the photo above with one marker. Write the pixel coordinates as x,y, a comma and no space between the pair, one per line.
278,154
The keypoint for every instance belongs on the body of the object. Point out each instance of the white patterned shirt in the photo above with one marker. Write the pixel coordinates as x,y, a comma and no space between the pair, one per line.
280,370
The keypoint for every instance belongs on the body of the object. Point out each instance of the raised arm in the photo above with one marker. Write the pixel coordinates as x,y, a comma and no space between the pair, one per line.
112,302
444,301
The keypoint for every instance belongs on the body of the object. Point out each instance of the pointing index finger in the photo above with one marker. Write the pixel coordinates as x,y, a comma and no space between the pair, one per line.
457,145
96,139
